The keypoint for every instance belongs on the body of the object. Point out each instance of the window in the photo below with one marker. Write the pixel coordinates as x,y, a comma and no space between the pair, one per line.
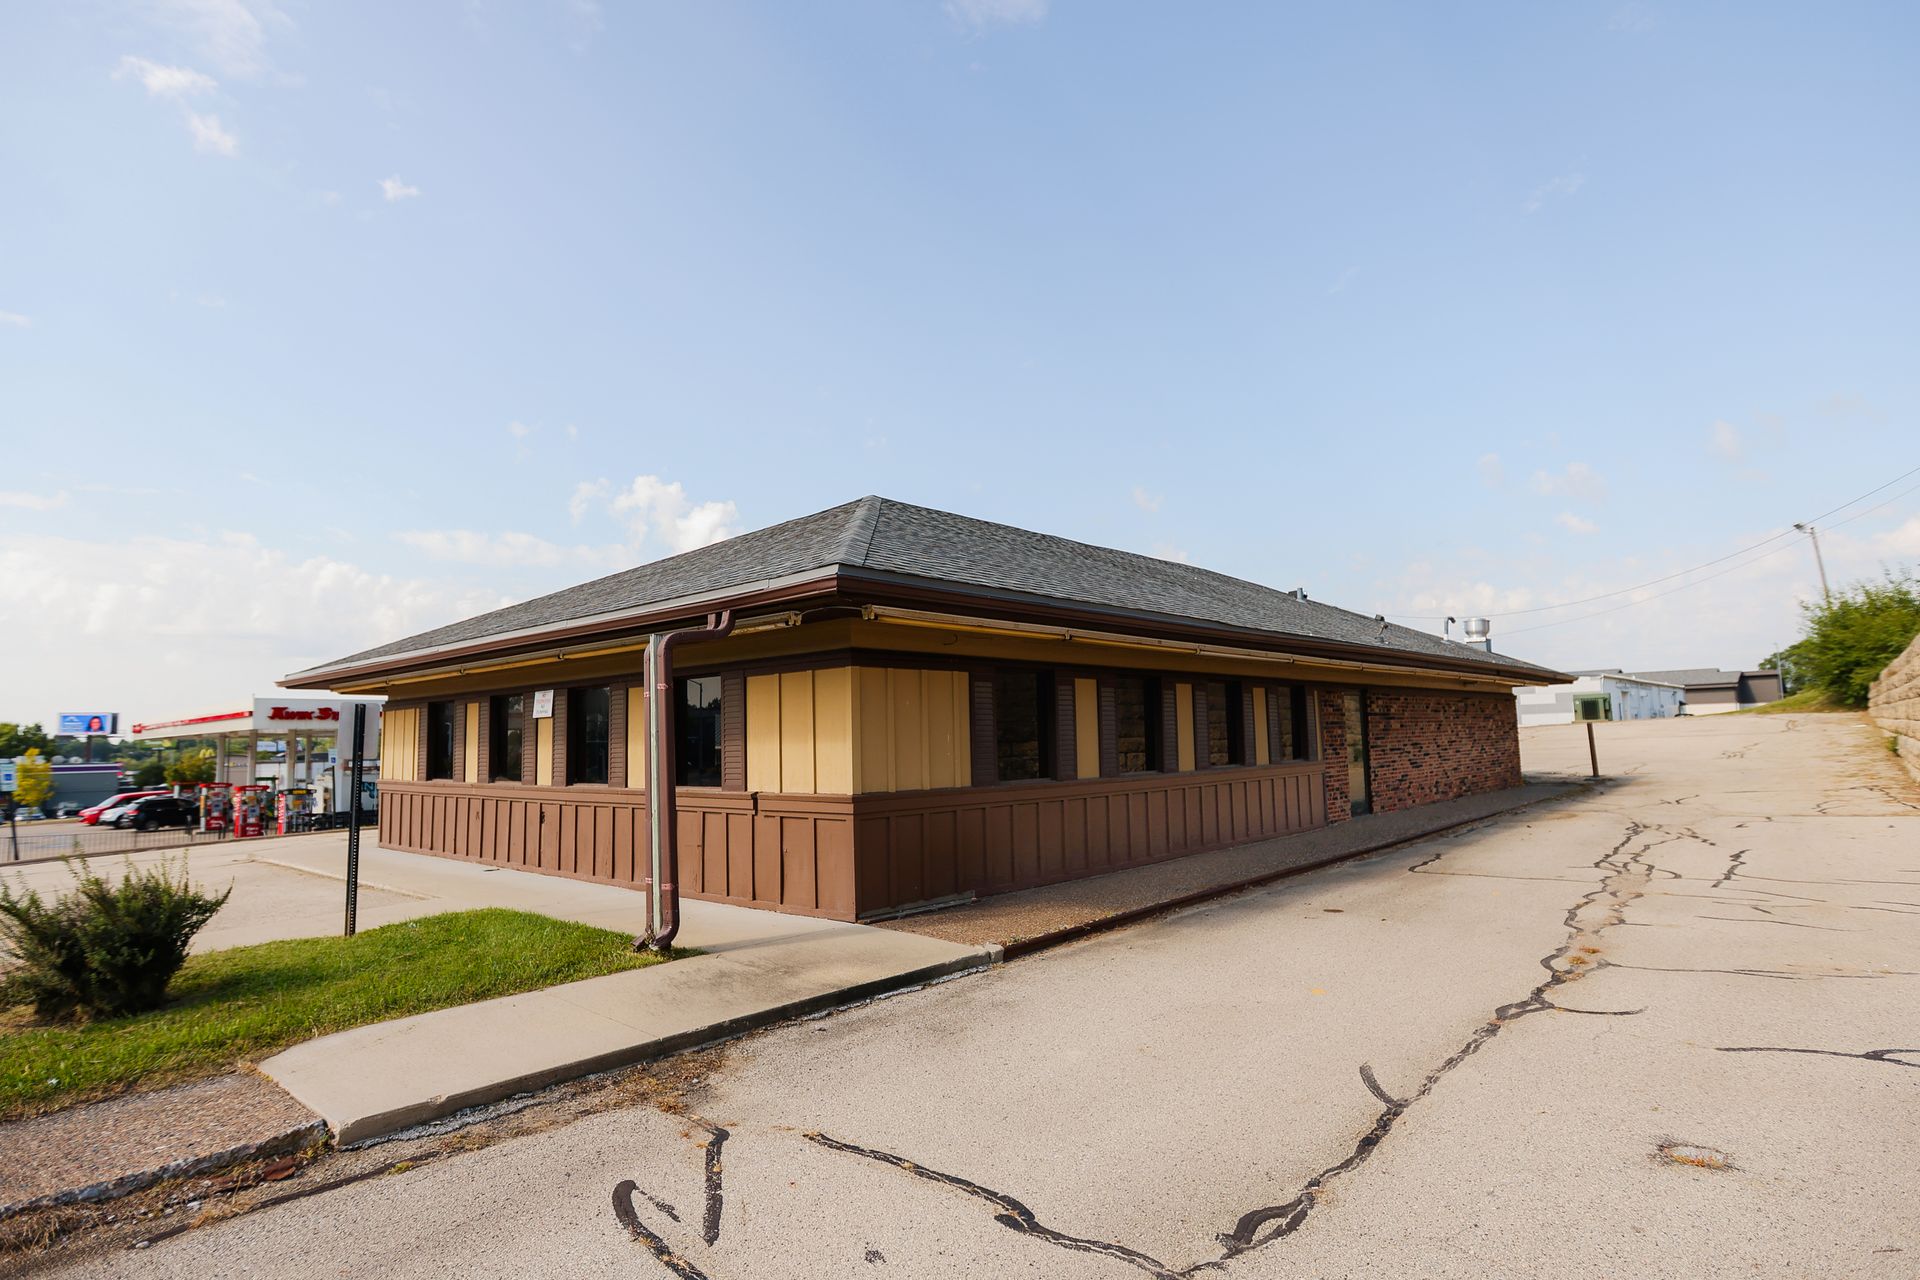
1136,723
1288,711
440,740
697,733
587,713
1225,737
1022,702
506,721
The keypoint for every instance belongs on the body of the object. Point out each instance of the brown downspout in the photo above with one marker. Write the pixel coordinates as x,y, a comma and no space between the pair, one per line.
663,768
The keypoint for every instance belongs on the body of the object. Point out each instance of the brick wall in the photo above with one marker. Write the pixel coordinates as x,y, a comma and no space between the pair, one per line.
1333,750
1429,746
1894,703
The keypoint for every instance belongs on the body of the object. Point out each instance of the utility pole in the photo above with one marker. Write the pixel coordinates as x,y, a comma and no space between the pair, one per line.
1826,592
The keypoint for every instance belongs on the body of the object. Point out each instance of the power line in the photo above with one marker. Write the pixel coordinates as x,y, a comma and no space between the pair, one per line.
1608,595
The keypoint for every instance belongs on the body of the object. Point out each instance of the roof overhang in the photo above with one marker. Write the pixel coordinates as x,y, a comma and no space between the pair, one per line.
845,585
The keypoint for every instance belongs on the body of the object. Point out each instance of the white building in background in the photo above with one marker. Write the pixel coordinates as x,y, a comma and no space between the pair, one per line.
1600,695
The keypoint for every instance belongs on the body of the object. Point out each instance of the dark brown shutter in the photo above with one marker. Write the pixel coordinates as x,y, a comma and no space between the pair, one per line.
986,755
733,731
560,716
1066,729
460,740
529,740
1202,726
1279,704
425,737
617,735
1109,730
484,727
1170,726
1246,754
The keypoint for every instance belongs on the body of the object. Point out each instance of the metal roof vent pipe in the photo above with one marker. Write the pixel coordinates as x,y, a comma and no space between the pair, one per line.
1478,630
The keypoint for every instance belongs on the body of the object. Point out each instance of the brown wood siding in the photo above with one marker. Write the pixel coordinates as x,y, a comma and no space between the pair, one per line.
789,853
915,848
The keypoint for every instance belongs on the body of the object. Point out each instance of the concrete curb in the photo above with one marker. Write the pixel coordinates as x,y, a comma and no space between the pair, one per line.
1133,915
363,1129
191,1166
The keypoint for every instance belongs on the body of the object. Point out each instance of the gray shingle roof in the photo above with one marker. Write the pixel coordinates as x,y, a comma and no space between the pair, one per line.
879,535
1695,676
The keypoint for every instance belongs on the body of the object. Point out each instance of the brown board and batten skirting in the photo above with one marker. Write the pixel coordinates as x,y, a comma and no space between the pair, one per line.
914,708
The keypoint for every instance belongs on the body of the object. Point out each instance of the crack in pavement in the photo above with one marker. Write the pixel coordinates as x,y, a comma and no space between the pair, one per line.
1888,1056
1783,974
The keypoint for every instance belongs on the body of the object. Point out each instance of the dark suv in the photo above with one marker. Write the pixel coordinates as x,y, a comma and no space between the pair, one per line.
155,812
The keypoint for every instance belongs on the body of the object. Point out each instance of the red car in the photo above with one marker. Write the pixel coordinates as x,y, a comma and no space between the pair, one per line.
92,816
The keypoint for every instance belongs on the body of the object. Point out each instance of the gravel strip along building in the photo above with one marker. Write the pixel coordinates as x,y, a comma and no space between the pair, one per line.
913,708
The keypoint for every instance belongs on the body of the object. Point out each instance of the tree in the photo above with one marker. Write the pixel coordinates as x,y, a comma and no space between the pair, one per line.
18,739
1782,661
190,767
34,786
1852,637
151,773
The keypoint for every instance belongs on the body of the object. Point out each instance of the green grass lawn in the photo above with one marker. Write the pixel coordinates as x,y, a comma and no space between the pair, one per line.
249,1002
1805,700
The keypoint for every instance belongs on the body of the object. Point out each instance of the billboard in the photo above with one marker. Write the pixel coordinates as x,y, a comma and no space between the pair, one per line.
79,724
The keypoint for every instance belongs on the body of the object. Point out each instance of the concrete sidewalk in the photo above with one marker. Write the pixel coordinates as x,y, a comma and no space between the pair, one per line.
379,1079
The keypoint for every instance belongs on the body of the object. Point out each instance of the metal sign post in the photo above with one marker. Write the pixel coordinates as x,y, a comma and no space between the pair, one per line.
9,779
353,816
1593,752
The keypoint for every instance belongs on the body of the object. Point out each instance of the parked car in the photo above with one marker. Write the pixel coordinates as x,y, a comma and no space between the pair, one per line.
154,812
92,815
66,809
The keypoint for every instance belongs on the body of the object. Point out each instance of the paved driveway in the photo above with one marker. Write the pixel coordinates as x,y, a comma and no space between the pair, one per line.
1461,1058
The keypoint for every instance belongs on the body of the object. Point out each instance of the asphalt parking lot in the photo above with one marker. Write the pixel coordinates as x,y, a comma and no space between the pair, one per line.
1667,1028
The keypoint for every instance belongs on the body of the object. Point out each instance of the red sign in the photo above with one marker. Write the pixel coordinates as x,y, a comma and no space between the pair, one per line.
288,713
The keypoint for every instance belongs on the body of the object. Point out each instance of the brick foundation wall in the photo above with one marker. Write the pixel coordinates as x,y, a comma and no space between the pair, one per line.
1894,704
1427,746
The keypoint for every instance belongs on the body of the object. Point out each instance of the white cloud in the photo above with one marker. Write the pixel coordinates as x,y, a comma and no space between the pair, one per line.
509,550
1726,441
395,190
14,320
233,33
1492,474
152,626
979,14
1575,524
587,495
209,136
32,501
1167,551
1578,481
1564,185
165,81
1148,502
519,430
654,507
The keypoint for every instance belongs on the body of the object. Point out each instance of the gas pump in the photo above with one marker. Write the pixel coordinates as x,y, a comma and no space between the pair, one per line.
247,802
216,805
293,810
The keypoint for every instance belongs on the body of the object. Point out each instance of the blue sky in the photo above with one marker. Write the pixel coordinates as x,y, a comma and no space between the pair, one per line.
324,323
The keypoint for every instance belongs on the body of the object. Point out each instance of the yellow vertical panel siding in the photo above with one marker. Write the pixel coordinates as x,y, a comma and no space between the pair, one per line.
833,730
543,751
472,752
1183,715
909,730
637,738
1262,752
796,731
763,733
400,746
938,719
1086,727
873,714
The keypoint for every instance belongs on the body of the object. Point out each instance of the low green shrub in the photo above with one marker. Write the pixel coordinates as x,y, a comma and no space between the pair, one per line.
105,949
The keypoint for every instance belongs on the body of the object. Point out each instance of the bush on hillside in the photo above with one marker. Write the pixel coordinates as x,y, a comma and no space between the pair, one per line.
1852,637
104,949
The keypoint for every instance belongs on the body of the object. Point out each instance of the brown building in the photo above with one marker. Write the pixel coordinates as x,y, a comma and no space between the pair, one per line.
915,707
1709,690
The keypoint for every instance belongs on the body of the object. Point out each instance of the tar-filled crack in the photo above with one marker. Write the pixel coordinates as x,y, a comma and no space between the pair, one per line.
1889,1056
1624,875
1733,867
628,1214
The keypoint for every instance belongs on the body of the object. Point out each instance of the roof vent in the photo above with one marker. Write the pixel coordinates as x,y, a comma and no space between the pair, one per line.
1477,633
1298,593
